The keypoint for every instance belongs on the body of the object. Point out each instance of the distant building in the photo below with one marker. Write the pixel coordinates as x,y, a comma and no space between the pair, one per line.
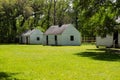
66,35
33,36
112,40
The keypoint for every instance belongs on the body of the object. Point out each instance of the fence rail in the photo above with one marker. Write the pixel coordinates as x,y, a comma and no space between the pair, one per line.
88,39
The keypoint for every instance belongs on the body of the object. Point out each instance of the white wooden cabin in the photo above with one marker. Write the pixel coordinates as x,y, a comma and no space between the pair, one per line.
65,35
33,36
112,40
104,41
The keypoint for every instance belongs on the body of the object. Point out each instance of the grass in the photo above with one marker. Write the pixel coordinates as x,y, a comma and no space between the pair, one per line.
36,62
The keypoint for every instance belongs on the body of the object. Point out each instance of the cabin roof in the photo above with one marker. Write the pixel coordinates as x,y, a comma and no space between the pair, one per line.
28,32
55,30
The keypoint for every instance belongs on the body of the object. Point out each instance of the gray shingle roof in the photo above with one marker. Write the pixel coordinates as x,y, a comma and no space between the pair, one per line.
27,33
55,30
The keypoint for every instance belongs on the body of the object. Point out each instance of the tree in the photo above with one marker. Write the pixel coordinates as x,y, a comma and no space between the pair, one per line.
10,12
94,17
91,17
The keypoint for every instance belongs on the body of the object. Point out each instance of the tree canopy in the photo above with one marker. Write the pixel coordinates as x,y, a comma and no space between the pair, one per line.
91,17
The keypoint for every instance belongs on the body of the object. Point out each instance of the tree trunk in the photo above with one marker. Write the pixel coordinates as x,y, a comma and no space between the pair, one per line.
54,12
48,14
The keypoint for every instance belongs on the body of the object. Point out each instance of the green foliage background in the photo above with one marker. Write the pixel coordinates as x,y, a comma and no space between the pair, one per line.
91,17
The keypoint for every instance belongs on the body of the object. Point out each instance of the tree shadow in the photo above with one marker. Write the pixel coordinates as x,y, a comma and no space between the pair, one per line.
101,54
7,76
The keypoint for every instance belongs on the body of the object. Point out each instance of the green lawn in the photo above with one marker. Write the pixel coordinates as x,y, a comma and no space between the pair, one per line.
36,62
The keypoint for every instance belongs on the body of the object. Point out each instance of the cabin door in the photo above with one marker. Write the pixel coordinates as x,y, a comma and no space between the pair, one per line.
46,40
27,40
56,40
21,40
115,38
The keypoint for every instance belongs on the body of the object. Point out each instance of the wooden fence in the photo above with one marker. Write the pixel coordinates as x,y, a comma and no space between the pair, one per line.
88,39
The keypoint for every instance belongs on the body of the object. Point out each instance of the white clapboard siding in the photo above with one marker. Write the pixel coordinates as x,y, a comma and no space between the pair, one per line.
104,41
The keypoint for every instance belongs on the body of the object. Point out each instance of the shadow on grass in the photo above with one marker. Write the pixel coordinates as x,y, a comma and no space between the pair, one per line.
101,54
7,76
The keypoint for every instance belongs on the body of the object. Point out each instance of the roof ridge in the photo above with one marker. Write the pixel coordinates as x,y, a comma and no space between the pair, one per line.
55,29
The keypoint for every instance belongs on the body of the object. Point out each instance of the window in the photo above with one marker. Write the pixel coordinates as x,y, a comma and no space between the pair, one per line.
38,38
71,38
104,36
